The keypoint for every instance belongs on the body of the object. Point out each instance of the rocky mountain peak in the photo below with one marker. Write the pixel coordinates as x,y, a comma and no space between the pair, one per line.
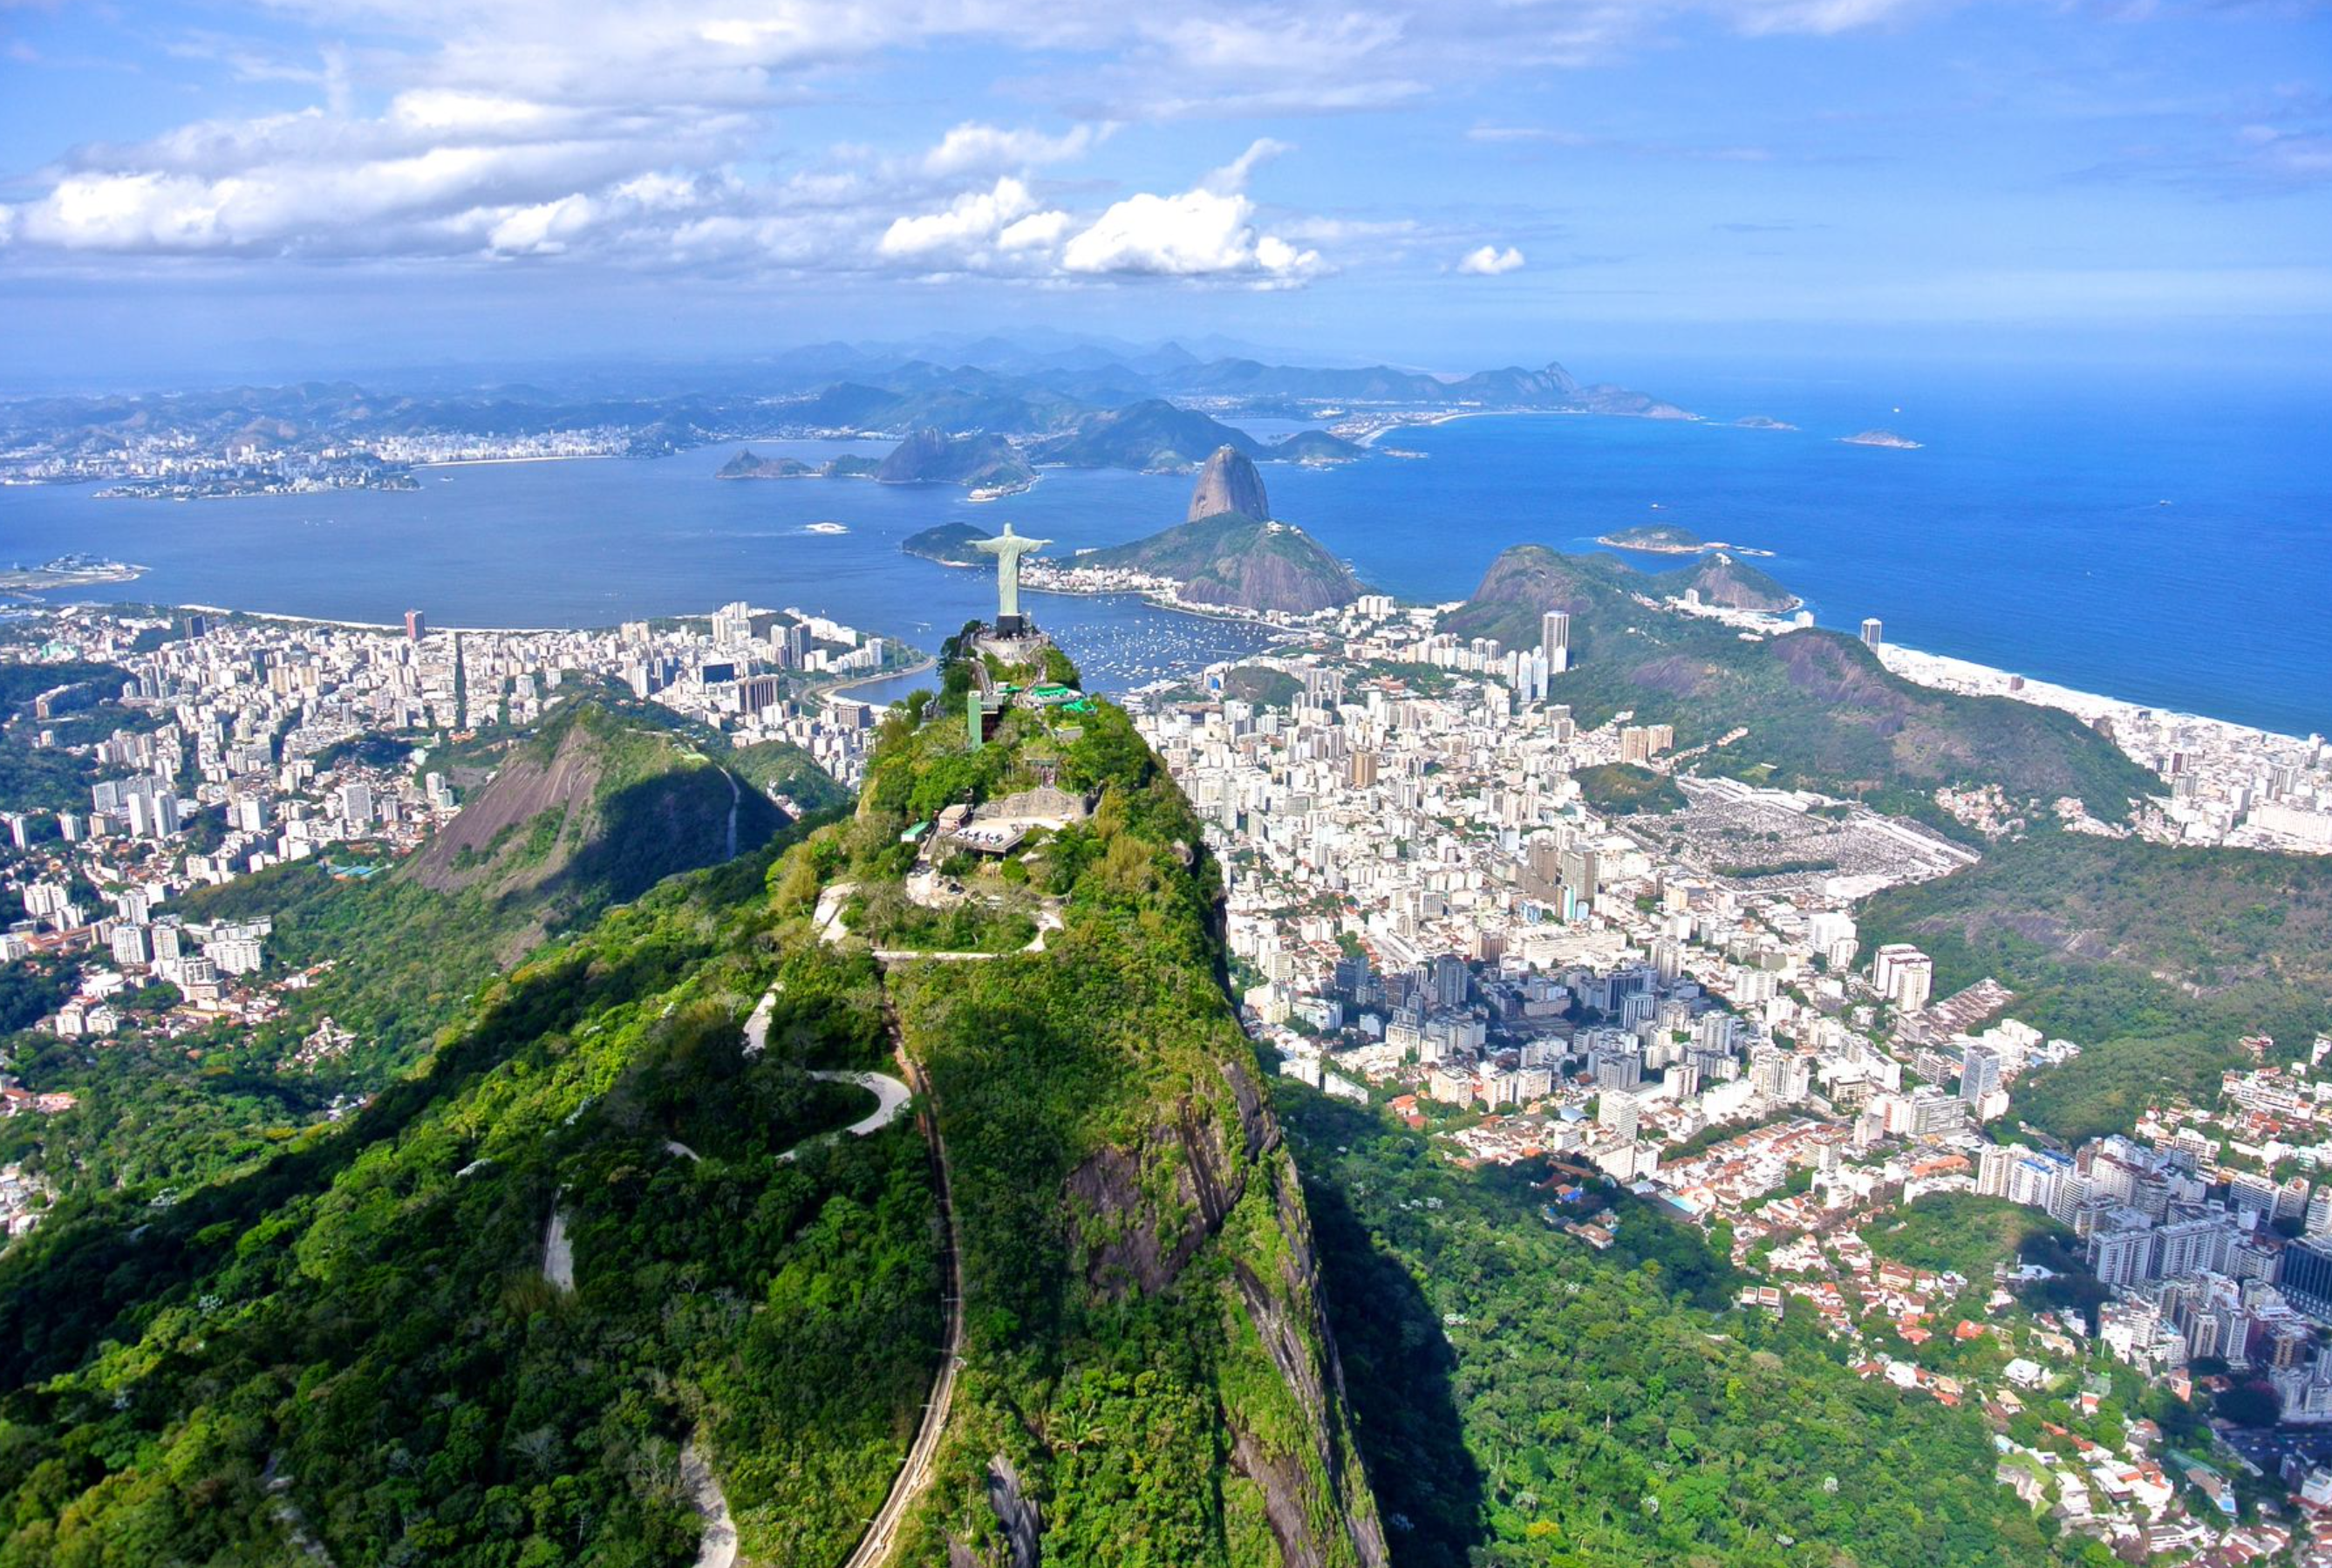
1229,483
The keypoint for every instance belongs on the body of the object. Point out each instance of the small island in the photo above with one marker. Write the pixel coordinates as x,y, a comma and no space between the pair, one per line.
1668,539
748,464
950,544
1886,439
1761,422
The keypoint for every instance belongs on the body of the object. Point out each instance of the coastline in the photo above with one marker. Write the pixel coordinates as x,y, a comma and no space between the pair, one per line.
65,582
500,461
1938,672
1948,673
1369,438
1201,612
929,662
397,626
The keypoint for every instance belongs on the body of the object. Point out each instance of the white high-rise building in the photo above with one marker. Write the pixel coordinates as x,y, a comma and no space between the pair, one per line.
1978,1074
1554,640
1903,975
1993,1168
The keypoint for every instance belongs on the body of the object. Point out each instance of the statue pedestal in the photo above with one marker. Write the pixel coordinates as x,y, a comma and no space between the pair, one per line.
1014,639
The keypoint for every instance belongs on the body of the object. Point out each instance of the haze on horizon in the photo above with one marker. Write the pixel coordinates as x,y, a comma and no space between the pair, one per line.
191,192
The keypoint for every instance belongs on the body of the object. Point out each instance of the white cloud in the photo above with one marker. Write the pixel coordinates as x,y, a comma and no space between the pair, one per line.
1037,232
437,112
973,147
641,135
1489,261
1817,16
1232,176
1198,234
543,230
969,229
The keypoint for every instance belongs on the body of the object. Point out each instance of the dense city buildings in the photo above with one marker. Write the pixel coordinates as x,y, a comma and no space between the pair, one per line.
1426,912
252,742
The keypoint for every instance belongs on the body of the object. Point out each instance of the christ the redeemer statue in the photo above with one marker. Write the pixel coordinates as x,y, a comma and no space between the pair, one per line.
1008,548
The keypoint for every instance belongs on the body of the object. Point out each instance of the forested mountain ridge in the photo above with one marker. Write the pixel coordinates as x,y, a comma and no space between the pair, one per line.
366,1350
1820,709
1227,551
2155,957
1526,1401
1229,558
605,800
369,1347
1147,1373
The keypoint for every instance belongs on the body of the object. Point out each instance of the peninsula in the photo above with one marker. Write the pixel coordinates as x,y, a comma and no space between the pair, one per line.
70,572
1227,554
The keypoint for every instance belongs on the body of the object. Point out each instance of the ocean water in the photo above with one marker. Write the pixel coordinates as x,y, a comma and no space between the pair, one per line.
2167,549
2143,537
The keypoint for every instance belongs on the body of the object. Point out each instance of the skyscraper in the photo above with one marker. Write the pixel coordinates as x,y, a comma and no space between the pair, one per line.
1979,1073
1873,634
417,625
1554,640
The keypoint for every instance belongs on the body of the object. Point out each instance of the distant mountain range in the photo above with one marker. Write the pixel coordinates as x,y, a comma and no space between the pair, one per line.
1078,406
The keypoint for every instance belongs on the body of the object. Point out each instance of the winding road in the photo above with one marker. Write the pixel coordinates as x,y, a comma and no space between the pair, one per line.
719,1549
915,1473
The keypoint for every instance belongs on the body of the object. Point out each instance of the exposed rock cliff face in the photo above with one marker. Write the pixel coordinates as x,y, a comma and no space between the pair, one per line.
1229,483
1160,1205
589,811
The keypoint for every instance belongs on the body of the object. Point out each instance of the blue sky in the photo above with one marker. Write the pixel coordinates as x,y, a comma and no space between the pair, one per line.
204,189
